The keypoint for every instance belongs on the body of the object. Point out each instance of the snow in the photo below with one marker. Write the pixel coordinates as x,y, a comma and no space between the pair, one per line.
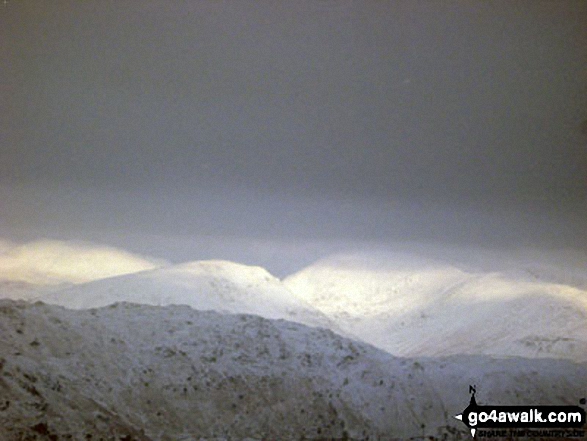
414,305
52,262
170,373
370,342
203,285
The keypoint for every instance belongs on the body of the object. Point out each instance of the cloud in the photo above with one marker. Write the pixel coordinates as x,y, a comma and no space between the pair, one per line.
53,262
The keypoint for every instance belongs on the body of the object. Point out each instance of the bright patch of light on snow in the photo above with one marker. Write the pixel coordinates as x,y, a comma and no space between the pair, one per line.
369,285
203,285
52,262
414,306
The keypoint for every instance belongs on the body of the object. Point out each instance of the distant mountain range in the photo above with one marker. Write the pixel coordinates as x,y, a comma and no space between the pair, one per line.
370,343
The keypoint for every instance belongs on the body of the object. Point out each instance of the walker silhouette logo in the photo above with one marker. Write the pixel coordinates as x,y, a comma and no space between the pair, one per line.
558,420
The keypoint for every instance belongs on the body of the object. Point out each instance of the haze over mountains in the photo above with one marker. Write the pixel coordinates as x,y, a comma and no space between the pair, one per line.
53,262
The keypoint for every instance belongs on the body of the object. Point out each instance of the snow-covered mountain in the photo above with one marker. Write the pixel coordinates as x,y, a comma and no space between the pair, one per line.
220,350
411,305
137,372
51,262
204,285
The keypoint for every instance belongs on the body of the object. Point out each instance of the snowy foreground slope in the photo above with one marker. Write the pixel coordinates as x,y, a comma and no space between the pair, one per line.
138,372
204,285
411,305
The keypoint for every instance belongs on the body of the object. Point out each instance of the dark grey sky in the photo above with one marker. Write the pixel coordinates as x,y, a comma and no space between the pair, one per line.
320,118
358,99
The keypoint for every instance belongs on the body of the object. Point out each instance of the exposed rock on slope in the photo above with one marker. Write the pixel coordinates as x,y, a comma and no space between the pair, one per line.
413,306
136,372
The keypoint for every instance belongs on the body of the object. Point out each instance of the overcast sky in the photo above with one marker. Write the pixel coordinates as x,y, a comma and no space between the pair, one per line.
466,101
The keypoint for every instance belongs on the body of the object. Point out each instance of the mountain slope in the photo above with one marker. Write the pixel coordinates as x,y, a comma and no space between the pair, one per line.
137,372
204,285
414,306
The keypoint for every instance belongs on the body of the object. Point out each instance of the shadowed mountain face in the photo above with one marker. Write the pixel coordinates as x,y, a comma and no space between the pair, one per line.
145,372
